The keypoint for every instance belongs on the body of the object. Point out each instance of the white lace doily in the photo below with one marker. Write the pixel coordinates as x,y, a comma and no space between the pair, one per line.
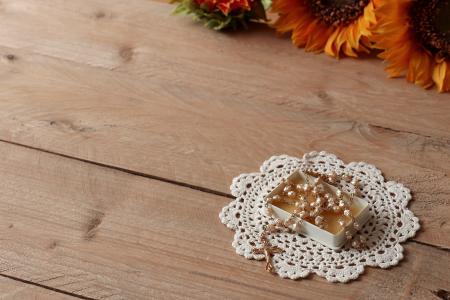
390,224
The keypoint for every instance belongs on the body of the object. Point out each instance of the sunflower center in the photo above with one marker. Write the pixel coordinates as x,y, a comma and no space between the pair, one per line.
338,12
431,24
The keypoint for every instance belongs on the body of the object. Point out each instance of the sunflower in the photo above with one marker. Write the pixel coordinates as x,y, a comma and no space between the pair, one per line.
333,26
415,37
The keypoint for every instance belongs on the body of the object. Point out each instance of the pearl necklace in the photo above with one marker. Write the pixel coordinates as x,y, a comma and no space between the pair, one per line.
305,210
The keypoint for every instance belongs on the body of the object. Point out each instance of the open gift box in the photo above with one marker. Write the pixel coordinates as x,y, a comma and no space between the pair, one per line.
334,234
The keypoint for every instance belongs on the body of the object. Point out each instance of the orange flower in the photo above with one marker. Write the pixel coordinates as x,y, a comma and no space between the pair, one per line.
226,6
415,37
332,26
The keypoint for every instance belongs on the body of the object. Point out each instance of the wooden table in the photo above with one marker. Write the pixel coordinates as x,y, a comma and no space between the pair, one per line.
121,128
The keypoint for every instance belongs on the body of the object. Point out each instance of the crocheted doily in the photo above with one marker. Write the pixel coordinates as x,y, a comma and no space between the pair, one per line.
390,224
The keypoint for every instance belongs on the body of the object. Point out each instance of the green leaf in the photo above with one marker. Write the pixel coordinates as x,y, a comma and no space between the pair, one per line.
180,9
267,4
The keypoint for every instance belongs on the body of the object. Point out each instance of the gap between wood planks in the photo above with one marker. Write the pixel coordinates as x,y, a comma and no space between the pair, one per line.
166,180
132,172
56,290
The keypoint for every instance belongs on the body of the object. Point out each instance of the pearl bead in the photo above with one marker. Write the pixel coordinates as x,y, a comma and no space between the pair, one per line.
339,193
299,187
306,187
318,220
347,213
327,196
336,209
354,182
302,214
276,197
296,227
319,201
289,222
341,203
291,194
287,188
332,177
355,244
347,177
356,225
341,222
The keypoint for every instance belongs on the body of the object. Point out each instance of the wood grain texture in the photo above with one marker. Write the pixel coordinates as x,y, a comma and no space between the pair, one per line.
133,87
14,290
126,85
101,233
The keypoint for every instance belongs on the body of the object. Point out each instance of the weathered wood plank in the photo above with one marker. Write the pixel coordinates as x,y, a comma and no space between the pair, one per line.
98,232
151,65
142,40
58,106
131,86
16,290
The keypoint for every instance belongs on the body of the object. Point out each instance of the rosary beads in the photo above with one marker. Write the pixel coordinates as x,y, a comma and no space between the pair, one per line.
311,199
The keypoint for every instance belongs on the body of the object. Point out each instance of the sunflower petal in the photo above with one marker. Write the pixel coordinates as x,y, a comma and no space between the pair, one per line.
420,69
441,76
402,51
329,47
310,32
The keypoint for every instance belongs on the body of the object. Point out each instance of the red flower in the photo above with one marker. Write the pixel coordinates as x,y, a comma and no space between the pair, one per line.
226,6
